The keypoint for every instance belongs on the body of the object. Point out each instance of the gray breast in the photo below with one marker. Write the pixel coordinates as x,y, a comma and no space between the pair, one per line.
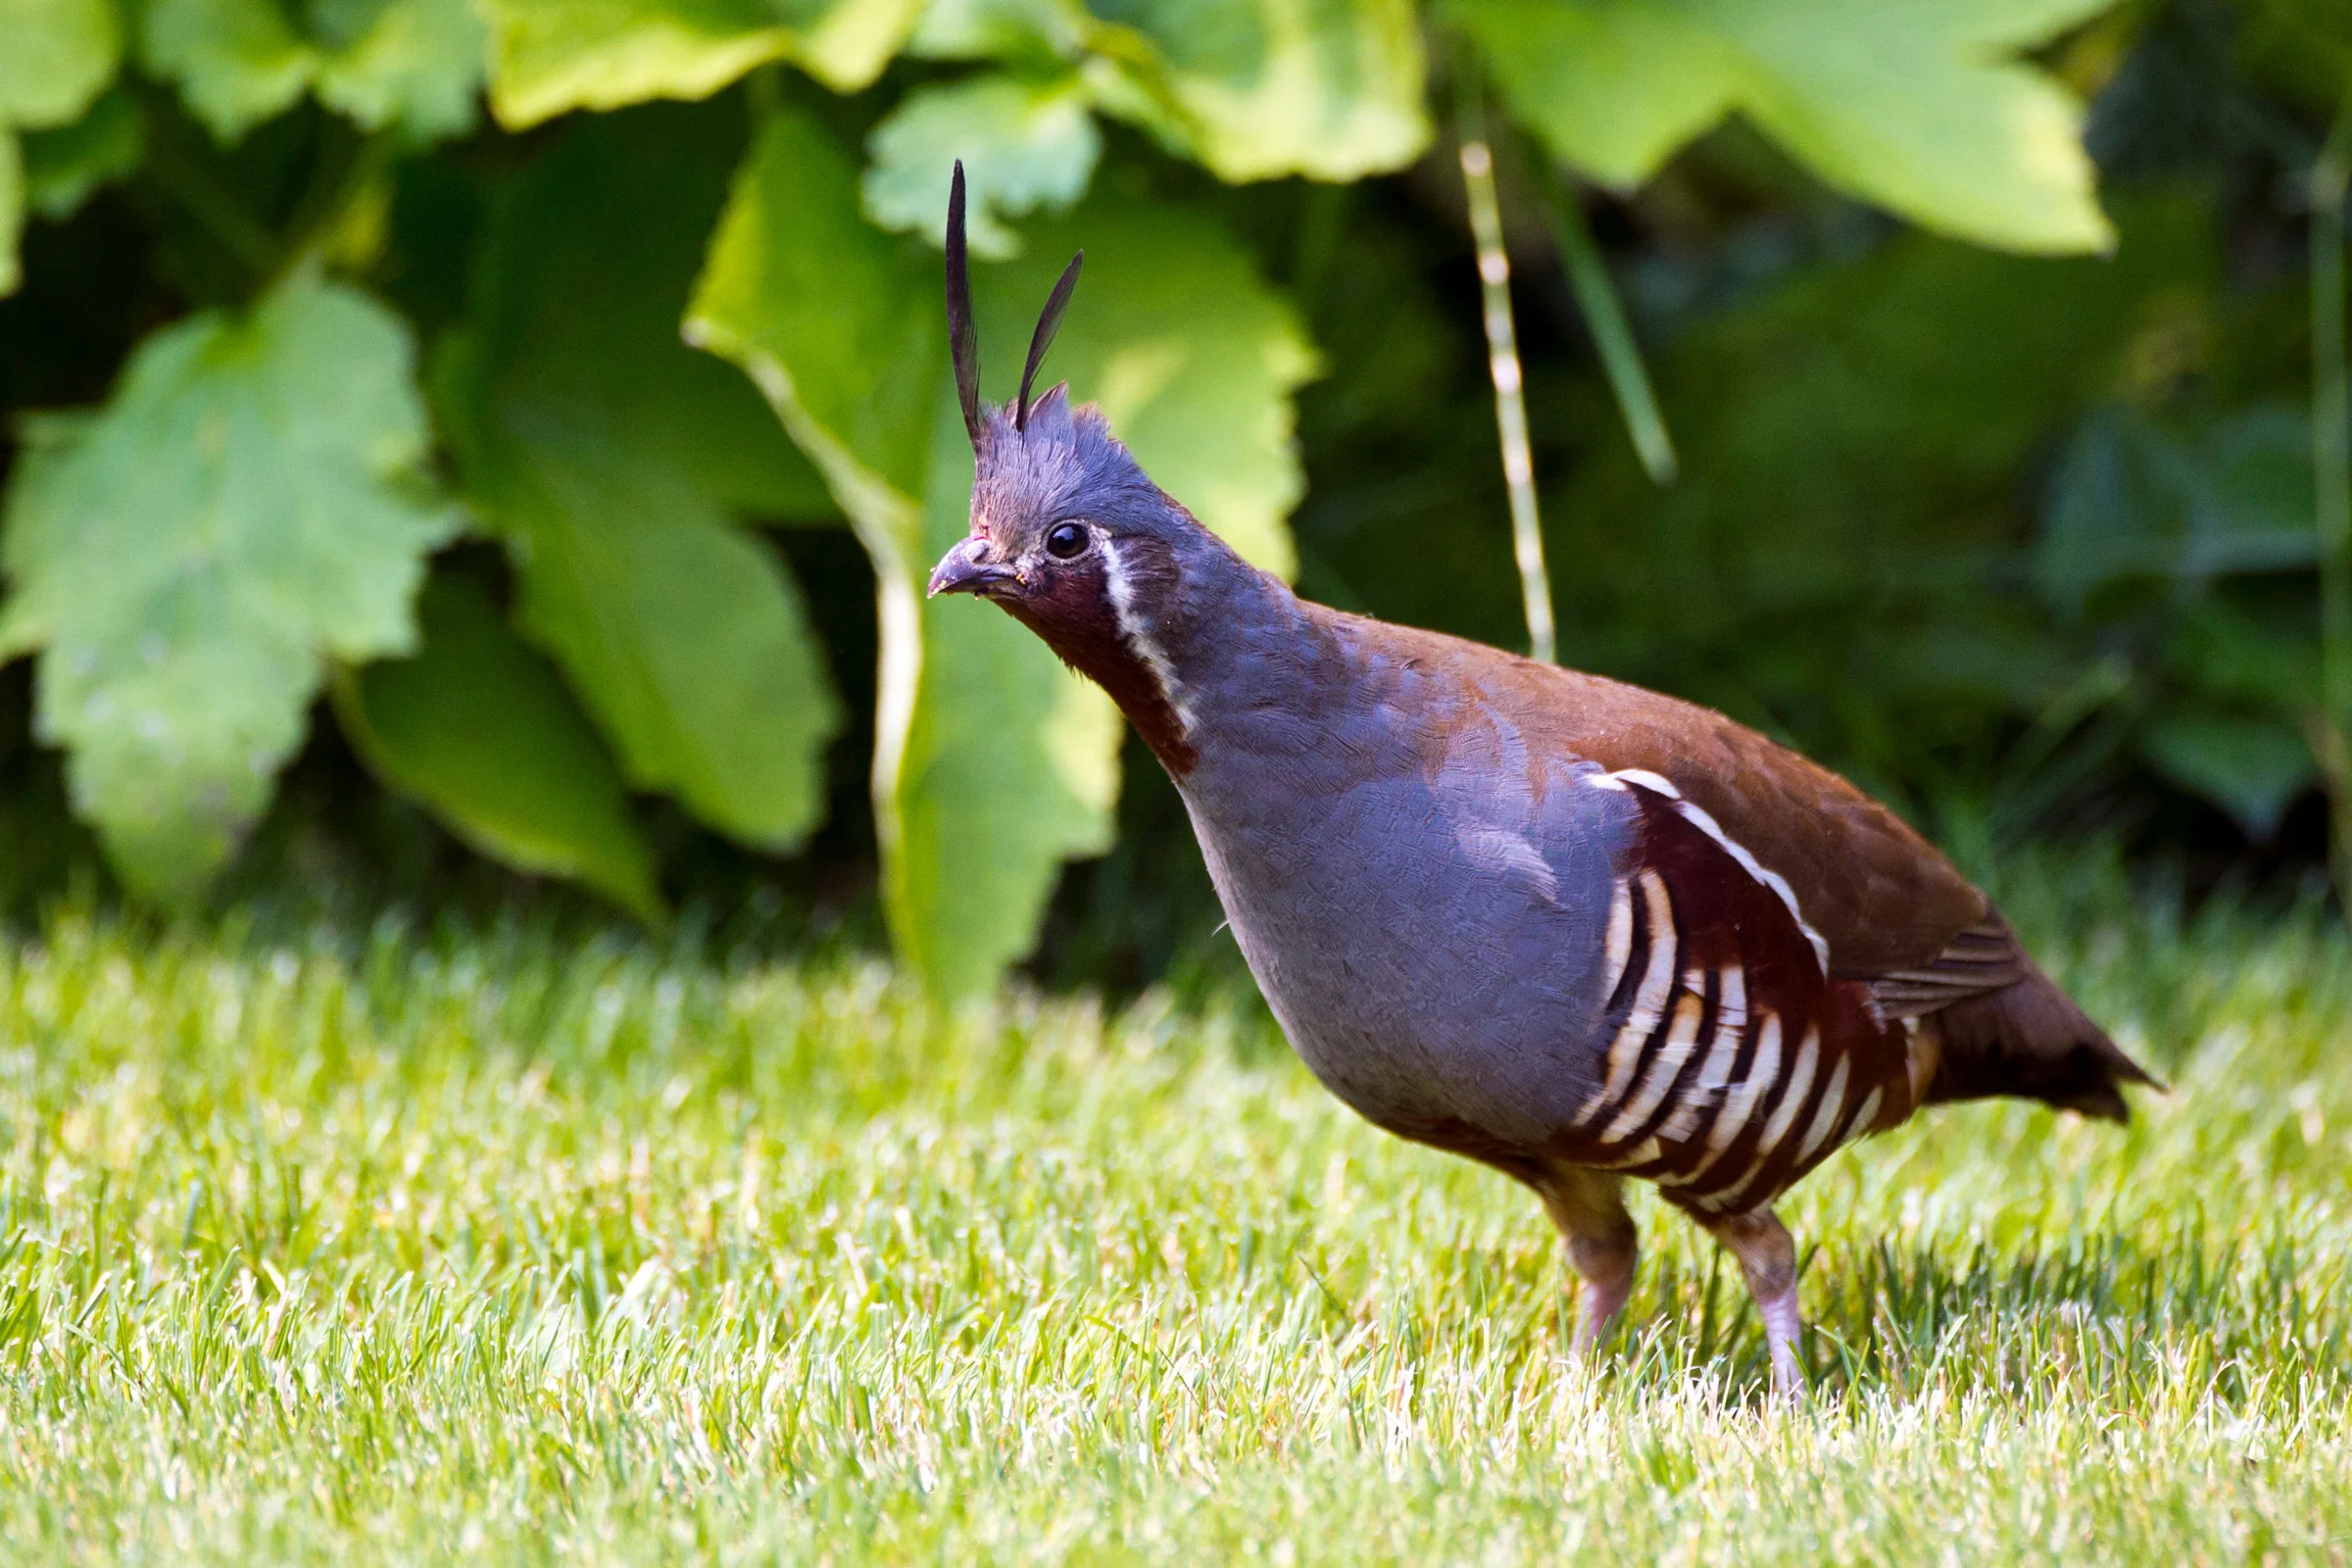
1426,912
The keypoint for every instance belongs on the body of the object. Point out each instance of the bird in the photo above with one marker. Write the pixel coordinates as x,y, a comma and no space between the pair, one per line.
1578,931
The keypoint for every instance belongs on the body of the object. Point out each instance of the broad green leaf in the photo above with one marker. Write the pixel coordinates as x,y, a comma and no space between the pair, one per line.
581,280
12,211
836,323
478,728
237,61
1328,88
550,56
1024,145
1034,32
1010,765
1191,357
246,506
992,764
411,64
681,632
2252,768
2251,664
55,57
2135,500
611,457
63,166
1916,104
1853,440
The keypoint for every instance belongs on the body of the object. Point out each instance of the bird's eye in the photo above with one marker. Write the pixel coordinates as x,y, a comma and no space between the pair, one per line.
1066,542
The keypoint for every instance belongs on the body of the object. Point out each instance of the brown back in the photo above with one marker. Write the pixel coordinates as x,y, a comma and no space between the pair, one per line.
1882,897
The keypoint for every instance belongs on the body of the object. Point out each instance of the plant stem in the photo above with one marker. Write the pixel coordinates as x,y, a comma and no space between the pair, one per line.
1503,357
203,196
2332,465
1613,335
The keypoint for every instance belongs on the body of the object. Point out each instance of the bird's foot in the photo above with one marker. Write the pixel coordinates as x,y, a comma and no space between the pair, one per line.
1782,1331
1767,1255
1603,1297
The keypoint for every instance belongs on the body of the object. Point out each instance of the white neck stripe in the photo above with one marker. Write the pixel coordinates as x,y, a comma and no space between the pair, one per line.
1139,636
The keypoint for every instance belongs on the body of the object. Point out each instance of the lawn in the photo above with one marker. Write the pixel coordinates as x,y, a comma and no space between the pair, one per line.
376,1241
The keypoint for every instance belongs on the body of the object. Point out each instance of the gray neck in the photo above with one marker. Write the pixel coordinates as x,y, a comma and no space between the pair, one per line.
1257,674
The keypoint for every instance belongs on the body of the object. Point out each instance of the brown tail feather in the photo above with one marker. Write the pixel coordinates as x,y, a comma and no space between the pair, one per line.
2028,1040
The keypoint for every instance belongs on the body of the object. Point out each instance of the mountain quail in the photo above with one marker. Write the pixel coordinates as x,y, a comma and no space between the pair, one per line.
1571,929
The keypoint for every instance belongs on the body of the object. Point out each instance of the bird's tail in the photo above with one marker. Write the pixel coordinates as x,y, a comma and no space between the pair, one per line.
2029,1040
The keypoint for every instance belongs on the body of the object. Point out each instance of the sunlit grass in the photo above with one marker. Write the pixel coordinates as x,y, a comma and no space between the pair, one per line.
371,1245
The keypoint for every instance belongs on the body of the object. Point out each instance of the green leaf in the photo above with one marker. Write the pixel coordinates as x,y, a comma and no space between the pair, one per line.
993,763
1040,33
550,56
237,62
1010,767
833,321
55,55
2252,768
2235,659
1853,440
1252,88
611,457
682,634
1024,145
1327,88
58,56
246,506
1192,356
63,166
412,63
479,729
1915,106
2135,498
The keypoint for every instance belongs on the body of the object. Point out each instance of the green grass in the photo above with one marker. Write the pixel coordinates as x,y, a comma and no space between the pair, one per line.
384,1244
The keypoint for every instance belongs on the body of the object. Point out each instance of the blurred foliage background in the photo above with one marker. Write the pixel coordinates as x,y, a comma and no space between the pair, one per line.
489,452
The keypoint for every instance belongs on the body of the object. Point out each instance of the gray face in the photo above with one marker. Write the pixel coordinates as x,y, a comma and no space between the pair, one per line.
1072,540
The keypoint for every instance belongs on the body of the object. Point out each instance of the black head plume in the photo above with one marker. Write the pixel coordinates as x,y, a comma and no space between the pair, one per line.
963,340
1043,338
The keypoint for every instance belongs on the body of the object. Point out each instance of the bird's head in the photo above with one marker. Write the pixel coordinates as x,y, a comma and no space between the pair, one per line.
1068,534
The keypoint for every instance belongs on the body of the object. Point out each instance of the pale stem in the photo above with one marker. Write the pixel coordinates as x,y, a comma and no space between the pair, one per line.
1502,362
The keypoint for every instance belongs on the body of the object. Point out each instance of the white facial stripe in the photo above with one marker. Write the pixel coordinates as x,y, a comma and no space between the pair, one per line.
1139,636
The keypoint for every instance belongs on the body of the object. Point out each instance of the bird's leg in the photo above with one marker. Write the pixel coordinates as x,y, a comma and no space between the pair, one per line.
1588,1207
1767,1255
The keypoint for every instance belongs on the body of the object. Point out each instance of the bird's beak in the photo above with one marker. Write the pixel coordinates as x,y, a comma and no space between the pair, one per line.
967,569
